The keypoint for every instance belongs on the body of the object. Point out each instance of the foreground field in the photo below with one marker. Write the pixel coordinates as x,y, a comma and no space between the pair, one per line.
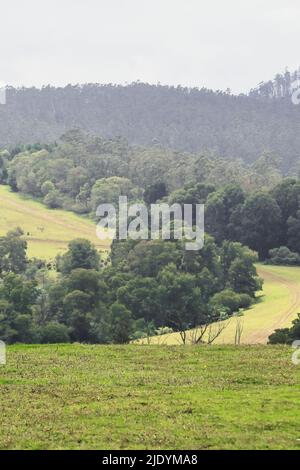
157,397
47,231
278,305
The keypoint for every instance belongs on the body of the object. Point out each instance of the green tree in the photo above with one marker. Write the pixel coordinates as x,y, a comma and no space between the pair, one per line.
286,335
238,263
13,252
76,178
122,324
293,230
260,219
81,254
219,211
108,191
54,333
287,196
148,257
47,187
180,299
53,199
20,293
154,192
283,256
141,296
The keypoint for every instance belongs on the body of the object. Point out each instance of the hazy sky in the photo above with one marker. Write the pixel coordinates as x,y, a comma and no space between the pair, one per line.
214,43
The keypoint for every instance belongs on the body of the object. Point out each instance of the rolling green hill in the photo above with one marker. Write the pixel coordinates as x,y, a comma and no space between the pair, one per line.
47,231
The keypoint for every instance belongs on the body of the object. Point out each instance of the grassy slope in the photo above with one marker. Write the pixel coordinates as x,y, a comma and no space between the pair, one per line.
47,231
278,305
130,397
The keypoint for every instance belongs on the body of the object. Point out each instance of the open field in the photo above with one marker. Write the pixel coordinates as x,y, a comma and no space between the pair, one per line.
278,305
149,397
47,231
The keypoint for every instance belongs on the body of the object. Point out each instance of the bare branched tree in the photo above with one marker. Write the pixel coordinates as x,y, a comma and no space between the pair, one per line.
197,334
238,331
215,330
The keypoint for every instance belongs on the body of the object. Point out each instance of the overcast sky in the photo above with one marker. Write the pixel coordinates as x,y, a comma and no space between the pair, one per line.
214,43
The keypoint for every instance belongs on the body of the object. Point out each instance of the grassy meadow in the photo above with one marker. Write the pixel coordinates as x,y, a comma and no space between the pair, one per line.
157,397
47,231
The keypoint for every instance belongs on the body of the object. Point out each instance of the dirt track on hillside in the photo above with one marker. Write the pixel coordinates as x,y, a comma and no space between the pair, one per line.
262,335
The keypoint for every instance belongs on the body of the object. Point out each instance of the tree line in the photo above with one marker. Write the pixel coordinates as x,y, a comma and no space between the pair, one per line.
184,119
80,171
146,289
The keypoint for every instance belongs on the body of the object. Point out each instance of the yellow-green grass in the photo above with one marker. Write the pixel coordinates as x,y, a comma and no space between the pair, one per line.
47,231
149,397
277,306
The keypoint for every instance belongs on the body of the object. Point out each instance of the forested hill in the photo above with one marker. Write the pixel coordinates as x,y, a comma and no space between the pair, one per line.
192,120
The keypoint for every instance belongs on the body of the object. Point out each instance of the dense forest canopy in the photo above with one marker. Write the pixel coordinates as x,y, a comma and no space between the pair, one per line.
192,120
148,286
251,204
80,171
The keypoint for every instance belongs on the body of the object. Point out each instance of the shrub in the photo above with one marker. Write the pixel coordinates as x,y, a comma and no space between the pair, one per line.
281,336
230,301
286,335
245,300
53,200
54,333
284,257
227,299
47,187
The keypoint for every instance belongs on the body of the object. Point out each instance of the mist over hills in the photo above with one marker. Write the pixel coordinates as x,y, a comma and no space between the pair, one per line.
193,120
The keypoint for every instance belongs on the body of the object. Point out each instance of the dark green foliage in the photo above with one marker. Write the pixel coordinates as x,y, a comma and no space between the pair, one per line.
54,333
281,336
283,256
17,299
148,257
82,171
140,297
192,194
122,325
293,230
81,254
220,209
13,252
260,219
286,335
230,301
180,299
239,270
149,285
18,292
53,199
155,192
164,283
108,190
